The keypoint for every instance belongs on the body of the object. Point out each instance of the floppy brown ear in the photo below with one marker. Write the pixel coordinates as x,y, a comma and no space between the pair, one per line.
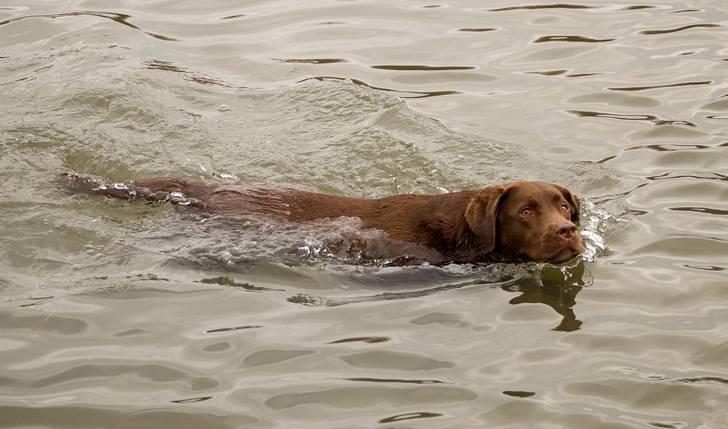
481,215
573,202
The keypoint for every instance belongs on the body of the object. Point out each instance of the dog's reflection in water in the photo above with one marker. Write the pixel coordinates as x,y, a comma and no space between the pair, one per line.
551,285
556,287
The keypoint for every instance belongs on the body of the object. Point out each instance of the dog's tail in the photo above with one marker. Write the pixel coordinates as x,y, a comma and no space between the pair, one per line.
158,189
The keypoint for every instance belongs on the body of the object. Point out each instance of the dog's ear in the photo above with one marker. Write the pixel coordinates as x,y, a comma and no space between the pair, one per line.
573,202
481,215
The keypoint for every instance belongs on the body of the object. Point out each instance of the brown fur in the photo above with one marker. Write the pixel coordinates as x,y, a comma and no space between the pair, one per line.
466,226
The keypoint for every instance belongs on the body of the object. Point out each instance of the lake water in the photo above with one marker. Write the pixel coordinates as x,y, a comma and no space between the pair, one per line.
119,314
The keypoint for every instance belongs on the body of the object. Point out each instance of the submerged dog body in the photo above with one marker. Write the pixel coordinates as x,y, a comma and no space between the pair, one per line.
517,221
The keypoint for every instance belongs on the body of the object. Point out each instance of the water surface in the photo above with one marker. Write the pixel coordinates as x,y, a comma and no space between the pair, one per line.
117,314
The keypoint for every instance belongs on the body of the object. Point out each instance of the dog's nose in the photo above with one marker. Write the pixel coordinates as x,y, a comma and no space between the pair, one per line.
566,231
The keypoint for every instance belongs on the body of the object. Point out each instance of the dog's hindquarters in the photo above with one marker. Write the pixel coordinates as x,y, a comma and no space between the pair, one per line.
189,187
158,189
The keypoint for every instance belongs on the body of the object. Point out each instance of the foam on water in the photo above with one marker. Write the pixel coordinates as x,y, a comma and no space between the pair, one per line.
595,224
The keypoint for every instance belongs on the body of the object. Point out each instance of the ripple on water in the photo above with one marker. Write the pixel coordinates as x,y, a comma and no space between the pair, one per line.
269,357
394,361
42,323
371,397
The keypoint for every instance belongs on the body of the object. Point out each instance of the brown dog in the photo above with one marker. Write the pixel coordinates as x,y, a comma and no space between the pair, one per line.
517,221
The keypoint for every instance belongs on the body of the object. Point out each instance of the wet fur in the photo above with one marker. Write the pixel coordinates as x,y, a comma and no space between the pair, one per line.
465,226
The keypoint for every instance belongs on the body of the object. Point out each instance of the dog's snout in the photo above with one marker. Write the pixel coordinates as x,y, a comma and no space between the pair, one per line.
566,230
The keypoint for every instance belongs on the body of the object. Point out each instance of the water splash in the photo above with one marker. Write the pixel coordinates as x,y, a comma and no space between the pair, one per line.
127,191
595,224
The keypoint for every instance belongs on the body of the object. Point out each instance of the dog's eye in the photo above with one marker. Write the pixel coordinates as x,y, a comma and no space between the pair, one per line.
526,211
565,207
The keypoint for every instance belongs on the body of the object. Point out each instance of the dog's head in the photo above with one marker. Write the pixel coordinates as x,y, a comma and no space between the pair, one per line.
533,221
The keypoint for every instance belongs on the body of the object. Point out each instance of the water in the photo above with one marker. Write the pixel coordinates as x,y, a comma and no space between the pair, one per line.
128,314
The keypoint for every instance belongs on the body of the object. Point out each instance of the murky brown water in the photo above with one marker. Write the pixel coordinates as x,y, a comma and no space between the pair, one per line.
127,315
